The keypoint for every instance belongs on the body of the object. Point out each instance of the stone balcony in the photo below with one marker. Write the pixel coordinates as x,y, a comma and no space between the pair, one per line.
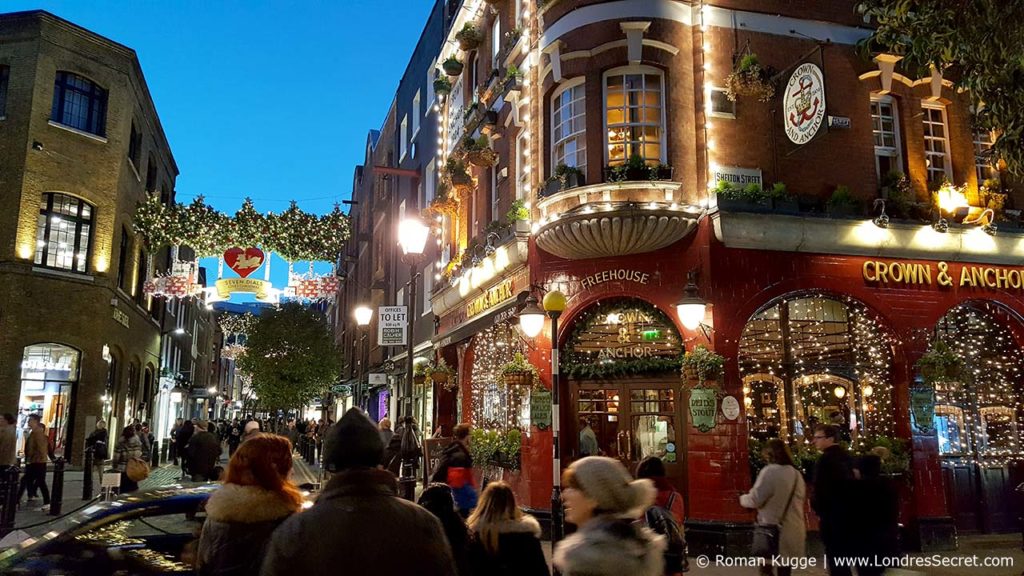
614,219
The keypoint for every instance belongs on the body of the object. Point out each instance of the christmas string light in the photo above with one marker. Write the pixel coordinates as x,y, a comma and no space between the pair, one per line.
495,405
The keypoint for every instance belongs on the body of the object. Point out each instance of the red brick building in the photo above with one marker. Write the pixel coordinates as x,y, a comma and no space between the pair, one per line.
605,159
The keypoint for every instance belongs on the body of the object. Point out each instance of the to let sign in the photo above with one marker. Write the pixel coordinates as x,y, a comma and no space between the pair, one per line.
391,325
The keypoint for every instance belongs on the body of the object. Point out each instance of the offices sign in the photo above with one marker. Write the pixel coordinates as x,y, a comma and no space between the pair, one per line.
391,325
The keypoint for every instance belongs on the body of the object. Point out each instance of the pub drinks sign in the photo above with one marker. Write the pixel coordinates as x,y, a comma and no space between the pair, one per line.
703,408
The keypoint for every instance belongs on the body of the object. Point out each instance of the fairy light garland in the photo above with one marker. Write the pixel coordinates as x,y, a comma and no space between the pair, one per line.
495,405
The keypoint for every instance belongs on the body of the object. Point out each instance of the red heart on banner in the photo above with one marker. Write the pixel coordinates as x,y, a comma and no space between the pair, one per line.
243,261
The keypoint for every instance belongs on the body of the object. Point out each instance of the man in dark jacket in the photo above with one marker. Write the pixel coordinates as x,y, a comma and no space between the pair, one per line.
203,452
359,525
833,491
455,468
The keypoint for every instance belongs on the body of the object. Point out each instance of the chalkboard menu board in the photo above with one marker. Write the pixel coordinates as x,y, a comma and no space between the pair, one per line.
540,408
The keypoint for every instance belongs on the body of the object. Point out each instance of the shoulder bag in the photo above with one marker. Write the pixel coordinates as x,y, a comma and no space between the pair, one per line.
766,536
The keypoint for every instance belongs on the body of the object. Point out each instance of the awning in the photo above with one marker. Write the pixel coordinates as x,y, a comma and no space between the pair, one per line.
476,325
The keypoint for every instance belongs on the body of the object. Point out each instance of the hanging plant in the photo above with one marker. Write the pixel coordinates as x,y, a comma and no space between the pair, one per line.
518,372
452,66
939,363
469,37
518,211
457,174
701,364
419,372
479,151
441,372
442,85
750,79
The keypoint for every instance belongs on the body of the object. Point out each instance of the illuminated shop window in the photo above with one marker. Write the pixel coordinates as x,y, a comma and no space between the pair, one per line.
63,232
634,115
936,143
48,374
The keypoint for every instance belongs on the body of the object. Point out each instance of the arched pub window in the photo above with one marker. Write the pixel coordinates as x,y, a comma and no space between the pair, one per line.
815,358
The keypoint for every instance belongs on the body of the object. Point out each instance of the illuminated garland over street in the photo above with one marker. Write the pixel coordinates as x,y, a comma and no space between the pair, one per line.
293,234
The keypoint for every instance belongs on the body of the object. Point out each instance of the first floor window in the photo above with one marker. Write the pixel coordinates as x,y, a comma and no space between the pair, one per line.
568,127
634,115
936,143
63,232
79,103
885,128
983,161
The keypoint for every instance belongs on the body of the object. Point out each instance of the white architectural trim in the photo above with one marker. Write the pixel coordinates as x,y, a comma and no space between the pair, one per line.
621,10
634,32
554,52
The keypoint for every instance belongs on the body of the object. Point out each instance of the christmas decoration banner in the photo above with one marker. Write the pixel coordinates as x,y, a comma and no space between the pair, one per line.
228,286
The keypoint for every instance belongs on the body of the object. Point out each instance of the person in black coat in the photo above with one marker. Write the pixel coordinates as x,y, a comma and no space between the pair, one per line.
438,499
455,468
203,452
878,513
181,440
503,540
833,495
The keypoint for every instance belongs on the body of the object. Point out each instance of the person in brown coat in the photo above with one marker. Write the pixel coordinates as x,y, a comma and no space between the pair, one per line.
358,524
37,450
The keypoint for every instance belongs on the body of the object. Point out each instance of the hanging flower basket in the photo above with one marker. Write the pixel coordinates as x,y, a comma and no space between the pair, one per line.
452,66
443,86
750,79
518,372
440,377
702,365
940,363
419,379
469,37
518,378
483,157
440,373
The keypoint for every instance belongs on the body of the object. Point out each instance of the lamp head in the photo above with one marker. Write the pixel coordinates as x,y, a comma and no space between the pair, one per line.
531,318
554,301
691,308
412,236
363,315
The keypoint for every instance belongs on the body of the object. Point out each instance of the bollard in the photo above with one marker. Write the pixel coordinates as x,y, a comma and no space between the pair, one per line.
155,452
57,492
165,447
88,468
8,498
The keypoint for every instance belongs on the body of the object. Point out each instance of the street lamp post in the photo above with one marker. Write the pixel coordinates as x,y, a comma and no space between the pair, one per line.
412,237
554,305
363,315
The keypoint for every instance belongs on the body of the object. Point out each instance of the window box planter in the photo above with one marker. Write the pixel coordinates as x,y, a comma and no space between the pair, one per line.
469,37
556,185
742,205
786,205
626,173
661,172
514,84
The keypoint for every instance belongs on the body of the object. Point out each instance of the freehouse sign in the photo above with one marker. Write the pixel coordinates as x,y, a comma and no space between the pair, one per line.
942,274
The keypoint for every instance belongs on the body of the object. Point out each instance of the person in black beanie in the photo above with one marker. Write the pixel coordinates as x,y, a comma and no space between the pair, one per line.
358,517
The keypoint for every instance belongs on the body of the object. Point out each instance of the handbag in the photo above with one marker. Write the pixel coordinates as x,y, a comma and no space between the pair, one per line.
766,536
136,469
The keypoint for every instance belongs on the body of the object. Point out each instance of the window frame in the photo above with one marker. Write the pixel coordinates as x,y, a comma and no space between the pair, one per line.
96,98
896,151
663,136
522,157
403,139
42,253
123,254
496,41
981,148
415,114
926,122
581,136
135,147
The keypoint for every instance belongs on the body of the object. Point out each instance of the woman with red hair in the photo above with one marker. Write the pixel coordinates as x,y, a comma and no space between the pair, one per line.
256,497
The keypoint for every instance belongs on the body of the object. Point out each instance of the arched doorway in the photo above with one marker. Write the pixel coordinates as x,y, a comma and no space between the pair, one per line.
816,358
49,373
977,415
622,361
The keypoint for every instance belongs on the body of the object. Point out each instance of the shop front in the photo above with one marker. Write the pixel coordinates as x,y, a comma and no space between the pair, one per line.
919,357
49,374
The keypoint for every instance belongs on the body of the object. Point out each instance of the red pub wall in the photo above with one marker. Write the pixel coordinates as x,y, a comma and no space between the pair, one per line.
744,281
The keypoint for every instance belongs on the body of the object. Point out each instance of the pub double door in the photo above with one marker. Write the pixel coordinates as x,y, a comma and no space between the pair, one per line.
632,419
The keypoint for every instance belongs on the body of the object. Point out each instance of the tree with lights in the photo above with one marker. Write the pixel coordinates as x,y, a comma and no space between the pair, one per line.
975,43
291,356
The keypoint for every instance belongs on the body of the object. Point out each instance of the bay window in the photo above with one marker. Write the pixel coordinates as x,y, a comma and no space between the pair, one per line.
634,114
568,126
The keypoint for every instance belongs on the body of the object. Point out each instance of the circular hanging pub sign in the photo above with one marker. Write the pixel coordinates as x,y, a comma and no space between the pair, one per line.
803,104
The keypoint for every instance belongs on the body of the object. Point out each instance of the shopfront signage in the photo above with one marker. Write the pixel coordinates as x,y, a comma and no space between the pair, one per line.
703,408
735,175
942,274
628,352
617,275
730,408
922,408
391,326
120,317
540,408
803,104
491,298
839,122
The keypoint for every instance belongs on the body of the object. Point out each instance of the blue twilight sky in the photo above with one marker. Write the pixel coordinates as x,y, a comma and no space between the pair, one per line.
270,99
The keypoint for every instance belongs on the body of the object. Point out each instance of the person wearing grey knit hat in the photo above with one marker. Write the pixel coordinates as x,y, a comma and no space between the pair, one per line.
603,500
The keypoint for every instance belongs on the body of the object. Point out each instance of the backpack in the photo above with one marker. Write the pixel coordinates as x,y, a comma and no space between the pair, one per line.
660,520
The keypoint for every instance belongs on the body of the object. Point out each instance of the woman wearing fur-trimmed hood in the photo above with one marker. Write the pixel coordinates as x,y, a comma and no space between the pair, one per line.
504,541
603,500
240,517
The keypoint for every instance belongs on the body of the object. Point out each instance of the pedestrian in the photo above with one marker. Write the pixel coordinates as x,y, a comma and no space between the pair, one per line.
603,501
98,441
385,431
172,449
833,490
381,533
665,516
877,518
252,429
404,448
203,453
234,437
256,498
778,496
455,468
438,500
128,446
292,433
147,446
185,433
8,441
503,540
588,440
37,450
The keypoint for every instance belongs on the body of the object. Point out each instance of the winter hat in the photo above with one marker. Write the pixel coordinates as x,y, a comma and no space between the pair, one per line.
607,481
252,425
353,442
